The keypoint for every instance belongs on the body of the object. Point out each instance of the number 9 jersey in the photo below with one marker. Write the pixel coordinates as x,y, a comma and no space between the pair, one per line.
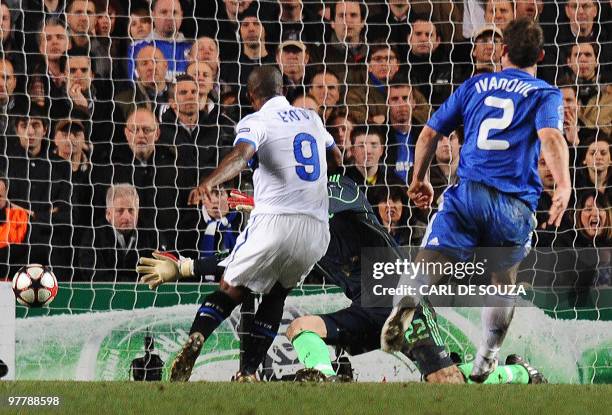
290,167
502,113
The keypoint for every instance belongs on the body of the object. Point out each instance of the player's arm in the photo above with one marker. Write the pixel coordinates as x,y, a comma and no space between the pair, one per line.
446,119
556,154
165,267
230,167
420,191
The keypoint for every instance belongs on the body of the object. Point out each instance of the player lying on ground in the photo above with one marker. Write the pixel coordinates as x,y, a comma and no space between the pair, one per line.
507,115
287,232
356,329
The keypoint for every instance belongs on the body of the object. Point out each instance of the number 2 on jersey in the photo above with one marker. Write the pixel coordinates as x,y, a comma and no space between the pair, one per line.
507,105
307,161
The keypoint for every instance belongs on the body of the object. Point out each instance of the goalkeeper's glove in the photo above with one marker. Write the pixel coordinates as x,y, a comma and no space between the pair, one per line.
240,201
163,267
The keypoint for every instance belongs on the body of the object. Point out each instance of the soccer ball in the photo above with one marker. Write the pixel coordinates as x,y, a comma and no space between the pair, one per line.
35,285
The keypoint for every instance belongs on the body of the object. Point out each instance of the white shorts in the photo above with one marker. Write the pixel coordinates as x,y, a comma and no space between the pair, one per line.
275,248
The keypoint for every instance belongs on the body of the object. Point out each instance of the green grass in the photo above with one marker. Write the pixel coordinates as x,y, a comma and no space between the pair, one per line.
202,398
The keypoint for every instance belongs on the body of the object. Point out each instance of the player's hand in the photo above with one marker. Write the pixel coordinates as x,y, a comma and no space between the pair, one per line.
421,193
200,193
240,201
560,199
163,267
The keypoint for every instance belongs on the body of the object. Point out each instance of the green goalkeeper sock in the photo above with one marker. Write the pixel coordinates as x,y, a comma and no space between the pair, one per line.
313,353
512,374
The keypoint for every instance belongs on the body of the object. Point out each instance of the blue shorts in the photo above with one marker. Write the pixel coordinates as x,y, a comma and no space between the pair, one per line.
473,215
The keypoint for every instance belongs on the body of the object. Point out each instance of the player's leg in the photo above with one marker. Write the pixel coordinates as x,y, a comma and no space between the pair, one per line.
496,317
425,347
399,321
509,226
516,371
450,233
216,307
263,330
307,334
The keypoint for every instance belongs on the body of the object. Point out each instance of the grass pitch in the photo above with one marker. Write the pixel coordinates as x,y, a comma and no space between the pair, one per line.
293,398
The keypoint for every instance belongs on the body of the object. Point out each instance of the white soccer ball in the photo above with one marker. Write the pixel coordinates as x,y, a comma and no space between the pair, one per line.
35,285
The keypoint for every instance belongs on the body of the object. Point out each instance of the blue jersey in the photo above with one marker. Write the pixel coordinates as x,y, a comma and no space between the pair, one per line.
502,113
176,53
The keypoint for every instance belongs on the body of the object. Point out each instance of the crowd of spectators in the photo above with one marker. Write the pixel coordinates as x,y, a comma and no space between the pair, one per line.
112,112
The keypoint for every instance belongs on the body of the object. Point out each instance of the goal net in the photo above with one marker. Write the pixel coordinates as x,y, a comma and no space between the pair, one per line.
113,112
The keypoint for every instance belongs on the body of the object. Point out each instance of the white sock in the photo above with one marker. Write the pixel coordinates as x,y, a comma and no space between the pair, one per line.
495,323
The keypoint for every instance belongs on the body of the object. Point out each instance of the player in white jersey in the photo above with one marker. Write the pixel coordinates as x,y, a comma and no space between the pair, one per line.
287,232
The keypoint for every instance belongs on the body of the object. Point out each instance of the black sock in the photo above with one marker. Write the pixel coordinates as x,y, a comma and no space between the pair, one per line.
264,328
215,308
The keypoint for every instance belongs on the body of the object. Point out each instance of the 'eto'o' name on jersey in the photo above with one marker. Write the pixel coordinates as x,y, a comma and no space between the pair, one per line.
290,161
502,113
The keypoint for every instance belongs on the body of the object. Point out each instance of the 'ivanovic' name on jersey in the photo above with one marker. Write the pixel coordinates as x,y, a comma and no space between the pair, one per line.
501,114
508,85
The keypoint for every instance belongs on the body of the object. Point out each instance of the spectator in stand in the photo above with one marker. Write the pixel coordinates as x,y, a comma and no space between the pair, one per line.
140,25
499,13
594,90
530,9
340,127
429,69
325,88
204,76
34,14
401,137
219,227
149,88
166,36
111,252
487,50
368,170
587,264
205,49
253,52
545,234
345,50
582,23
292,58
14,223
597,168
443,170
12,39
307,101
572,126
200,143
81,19
391,208
296,17
111,40
82,102
38,185
69,144
219,20
367,98
152,168
52,47
367,150
391,24
8,82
